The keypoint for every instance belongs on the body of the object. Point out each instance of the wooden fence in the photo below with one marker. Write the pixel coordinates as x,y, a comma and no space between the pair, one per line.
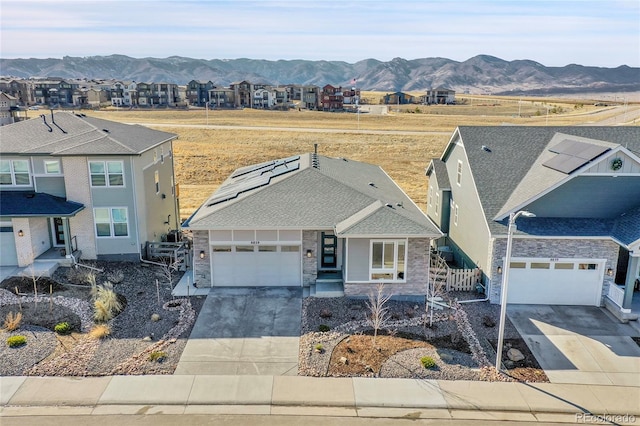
454,279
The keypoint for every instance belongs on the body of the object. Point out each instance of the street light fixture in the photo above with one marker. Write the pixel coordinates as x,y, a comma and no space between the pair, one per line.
505,283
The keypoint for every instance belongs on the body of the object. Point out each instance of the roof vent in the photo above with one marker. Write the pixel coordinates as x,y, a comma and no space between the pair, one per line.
389,205
372,184
105,130
486,148
44,119
314,161
399,205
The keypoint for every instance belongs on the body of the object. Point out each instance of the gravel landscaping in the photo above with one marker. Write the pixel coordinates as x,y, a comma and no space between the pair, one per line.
151,321
347,348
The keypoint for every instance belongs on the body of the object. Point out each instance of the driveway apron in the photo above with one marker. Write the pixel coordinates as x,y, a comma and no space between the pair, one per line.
245,331
579,344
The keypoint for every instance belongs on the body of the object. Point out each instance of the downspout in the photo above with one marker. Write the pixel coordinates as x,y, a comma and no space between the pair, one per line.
487,292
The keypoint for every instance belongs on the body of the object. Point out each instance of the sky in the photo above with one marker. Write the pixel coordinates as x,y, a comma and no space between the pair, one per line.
603,33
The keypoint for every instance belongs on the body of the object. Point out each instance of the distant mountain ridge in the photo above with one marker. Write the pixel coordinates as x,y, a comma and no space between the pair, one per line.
480,74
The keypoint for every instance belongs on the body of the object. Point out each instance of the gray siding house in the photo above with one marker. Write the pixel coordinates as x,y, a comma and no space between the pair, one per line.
583,185
309,220
72,185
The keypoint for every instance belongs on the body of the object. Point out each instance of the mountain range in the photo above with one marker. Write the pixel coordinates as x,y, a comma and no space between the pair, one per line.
480,74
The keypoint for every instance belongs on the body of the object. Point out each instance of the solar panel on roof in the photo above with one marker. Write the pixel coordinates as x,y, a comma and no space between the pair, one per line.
252,178
565,163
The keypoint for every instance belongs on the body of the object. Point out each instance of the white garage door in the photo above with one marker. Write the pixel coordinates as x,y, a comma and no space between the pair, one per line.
556,282
8,254
256,265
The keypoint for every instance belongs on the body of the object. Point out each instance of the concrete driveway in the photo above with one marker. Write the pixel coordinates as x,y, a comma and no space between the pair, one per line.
579,344
252,331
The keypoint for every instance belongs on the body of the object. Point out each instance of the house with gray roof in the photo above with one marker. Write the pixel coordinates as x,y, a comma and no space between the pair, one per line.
583,186
312,221
73,185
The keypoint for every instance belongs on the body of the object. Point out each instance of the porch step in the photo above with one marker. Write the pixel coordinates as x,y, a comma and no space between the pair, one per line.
329,288
39,269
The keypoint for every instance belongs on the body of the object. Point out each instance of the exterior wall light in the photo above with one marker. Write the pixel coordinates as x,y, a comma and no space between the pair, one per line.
20,233
499,270
610,272
309,253
201,254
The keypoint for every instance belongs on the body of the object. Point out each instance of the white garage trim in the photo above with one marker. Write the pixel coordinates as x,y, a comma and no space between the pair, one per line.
256,258
556,281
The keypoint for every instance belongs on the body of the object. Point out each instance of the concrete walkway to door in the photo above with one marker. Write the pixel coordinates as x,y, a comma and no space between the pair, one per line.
579,344
245,331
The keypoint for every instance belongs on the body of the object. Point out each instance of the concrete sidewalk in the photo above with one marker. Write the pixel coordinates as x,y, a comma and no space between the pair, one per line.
294,395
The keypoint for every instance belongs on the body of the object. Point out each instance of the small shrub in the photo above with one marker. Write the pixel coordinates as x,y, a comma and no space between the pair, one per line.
427,362
323,328
63,328
155,317
12,321
157,356
319,348
16,341
100,331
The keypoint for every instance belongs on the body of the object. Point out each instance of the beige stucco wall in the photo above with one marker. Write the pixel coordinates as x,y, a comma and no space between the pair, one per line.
35,240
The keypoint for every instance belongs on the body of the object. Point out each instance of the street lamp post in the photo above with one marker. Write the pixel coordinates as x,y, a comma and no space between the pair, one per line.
505,283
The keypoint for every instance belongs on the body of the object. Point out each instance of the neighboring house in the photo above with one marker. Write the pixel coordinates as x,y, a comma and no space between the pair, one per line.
583,185
82,185
398,98
439,95
309,219
242,93
332,99
8,109
197,92
263,99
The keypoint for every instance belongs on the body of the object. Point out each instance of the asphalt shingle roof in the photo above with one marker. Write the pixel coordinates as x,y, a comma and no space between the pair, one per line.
33,204
320,198
71,134
514,150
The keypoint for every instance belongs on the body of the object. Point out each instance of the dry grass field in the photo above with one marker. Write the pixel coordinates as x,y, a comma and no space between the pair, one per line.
204,157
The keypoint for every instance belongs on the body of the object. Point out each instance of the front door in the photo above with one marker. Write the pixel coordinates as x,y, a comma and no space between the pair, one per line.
58,231
329,251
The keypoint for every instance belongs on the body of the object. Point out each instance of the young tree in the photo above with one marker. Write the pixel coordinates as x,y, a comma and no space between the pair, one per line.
378,311
436,284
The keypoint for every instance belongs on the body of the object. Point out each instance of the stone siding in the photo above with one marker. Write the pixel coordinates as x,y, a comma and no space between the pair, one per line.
201,267
552,248
78,189
417,274
309,264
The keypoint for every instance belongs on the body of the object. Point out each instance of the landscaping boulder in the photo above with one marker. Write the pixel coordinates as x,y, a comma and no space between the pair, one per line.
515,355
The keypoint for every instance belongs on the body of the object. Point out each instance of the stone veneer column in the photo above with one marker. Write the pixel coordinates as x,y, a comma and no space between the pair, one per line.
78,189
201,267
24,248
309,264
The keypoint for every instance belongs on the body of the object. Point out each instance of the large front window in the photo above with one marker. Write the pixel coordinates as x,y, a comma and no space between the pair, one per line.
388,260
106,173
15,172
111,221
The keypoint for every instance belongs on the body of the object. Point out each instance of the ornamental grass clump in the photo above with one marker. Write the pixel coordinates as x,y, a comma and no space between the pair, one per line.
106,304
12,321
16,341
100,331
157,356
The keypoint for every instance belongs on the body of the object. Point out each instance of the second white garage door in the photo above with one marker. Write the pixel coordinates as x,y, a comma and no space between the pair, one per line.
256,265
556,282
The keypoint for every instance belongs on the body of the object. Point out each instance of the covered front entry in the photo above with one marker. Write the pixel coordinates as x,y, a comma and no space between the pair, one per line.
256,258
556,281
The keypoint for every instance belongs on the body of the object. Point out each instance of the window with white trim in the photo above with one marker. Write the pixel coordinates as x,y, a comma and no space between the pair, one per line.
106,173
15,173
430,195
111,221
455,215
388,260
437,209
162,154
156,180
52,167
459,173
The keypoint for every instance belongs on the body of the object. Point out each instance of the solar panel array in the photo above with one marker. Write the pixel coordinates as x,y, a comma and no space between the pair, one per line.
244,180
572,154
